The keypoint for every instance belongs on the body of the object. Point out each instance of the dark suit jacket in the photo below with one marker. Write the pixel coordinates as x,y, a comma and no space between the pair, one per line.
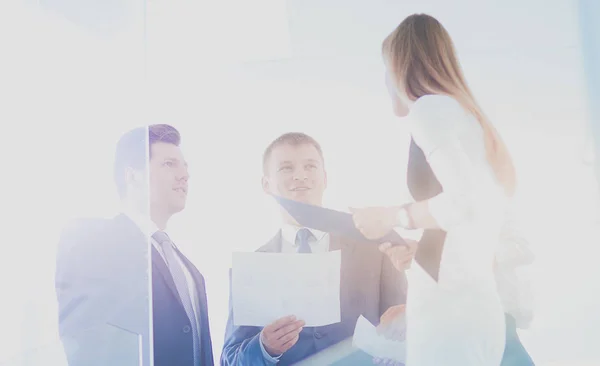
369,286
103,290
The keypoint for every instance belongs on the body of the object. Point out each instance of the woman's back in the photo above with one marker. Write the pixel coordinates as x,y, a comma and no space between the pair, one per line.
461,306
471,208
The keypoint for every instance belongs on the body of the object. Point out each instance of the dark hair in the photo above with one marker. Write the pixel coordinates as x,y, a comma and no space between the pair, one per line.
290,138
133,149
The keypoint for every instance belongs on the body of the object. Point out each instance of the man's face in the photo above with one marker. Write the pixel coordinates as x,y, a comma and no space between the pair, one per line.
168,178
296,172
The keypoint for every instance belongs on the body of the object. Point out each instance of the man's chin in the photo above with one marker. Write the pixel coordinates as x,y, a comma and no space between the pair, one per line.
305,199
177,207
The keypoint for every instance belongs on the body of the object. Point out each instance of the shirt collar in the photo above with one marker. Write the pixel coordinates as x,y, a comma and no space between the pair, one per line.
289,232
143,222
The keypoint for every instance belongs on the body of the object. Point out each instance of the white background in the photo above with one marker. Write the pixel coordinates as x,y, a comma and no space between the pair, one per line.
232,77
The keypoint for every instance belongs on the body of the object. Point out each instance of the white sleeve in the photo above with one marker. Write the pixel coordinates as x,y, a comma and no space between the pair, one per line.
446,132
513,249
513,277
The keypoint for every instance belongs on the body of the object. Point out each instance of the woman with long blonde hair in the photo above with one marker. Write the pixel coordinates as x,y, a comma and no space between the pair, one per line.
454,313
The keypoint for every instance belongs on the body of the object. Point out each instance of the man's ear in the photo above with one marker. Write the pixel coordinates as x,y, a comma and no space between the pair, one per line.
266,185
130,176
135,177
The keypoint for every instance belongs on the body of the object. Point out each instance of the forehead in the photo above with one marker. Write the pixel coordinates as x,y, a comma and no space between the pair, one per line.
163,151
289,152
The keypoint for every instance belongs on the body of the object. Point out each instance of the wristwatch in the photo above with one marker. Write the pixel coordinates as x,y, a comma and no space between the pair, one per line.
403,218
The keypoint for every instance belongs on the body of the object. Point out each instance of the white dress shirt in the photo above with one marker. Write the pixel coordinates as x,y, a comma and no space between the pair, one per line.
148,227
319,243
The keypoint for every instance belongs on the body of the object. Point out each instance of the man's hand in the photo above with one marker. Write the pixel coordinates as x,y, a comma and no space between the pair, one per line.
400,256
375,222
281,335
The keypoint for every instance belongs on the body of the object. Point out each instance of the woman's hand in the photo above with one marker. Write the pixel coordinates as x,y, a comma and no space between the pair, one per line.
392,324
400,256
375,222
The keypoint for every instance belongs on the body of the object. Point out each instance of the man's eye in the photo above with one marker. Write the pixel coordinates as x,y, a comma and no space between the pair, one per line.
168,163
285,168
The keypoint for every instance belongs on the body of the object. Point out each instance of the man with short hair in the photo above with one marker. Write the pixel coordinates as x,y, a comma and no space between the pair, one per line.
107,270
293,168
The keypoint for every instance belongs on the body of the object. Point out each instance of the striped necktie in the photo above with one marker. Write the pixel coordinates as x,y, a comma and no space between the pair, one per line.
303,237
177,272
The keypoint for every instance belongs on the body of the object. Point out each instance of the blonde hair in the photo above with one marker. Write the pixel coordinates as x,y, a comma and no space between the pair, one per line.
420,55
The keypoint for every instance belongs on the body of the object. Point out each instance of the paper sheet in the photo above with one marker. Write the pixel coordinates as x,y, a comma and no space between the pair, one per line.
268,286
366,339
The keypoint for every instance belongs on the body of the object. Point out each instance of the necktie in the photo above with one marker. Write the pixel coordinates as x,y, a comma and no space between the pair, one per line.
303,237
181,283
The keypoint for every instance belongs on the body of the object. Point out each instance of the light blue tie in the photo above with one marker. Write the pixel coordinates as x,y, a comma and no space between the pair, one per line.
181,283
303,237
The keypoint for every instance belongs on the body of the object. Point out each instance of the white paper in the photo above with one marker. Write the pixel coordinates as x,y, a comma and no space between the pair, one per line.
368,340
269,286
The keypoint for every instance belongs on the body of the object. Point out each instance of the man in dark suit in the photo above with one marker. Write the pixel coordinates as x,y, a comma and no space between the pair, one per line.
108,270
293,167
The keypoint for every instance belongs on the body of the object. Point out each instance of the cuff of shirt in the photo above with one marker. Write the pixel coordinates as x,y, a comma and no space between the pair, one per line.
266,354
414,235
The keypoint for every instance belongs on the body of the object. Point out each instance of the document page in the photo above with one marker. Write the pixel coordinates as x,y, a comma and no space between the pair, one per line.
368,340
269,286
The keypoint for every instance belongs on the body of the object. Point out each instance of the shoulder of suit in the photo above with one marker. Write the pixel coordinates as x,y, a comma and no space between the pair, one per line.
83,232
85,226
272,245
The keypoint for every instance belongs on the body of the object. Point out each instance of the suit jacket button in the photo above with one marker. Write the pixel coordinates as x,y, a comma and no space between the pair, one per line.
318,335
186,329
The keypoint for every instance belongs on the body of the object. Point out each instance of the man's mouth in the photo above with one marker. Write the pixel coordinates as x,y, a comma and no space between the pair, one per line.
180,190
300,189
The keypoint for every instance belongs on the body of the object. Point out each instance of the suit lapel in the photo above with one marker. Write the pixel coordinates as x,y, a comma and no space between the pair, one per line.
198,279
161,271
203,322
336,242
202,316
274,245
137,237
160,267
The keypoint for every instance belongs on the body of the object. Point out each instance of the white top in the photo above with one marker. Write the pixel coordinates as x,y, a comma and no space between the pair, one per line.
471,208
457,320
512,259
453,143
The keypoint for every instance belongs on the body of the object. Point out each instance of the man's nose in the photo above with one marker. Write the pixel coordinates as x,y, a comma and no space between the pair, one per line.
300,174
184,174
